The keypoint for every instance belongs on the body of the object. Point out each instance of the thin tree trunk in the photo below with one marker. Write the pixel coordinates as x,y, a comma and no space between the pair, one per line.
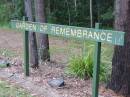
120,77
75,5
49,7
43,38
69,16
91,14
32,36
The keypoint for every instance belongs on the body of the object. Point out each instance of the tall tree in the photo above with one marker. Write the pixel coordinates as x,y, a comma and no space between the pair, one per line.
32,36
120,78
43,38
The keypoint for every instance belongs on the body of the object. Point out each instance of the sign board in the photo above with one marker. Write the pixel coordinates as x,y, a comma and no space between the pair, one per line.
98,35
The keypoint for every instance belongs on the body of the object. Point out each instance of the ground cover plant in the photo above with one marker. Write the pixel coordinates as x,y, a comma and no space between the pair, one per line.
7,90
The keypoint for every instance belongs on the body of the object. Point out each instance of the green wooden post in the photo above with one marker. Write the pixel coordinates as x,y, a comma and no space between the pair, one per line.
96,68
26,51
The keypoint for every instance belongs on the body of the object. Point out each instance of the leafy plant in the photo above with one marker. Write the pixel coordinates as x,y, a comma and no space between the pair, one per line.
82,67
3,65
10,9
8,90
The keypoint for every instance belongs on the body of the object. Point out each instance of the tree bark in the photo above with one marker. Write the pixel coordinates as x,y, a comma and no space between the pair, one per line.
32,36
120,77
43,38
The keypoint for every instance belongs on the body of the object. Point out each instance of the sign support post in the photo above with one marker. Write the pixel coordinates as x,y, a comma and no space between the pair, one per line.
26,50
96,69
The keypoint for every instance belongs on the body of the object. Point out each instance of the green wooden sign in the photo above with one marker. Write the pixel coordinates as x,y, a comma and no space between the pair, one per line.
107,36
98,35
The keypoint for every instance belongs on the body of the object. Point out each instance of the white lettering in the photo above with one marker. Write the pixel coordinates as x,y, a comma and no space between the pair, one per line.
103,36
68,32
109,37
79,33
73,32
90,35
96,35
85,34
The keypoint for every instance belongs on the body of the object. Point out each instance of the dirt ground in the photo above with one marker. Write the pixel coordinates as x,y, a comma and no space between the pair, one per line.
74,87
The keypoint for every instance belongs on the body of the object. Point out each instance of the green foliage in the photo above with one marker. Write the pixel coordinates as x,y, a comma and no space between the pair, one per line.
68,12
8,90
3,65
7,53
108,14
5,12
82,67
77,12
18,9
10,9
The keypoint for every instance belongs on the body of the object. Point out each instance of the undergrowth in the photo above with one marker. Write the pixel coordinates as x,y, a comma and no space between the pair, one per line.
82,67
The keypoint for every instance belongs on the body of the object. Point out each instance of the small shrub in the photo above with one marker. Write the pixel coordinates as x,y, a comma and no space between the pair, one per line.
82,67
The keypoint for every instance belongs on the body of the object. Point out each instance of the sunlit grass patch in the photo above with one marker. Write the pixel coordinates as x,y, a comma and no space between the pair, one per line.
7,52
7,90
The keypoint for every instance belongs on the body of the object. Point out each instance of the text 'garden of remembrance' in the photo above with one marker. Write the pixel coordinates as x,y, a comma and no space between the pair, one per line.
109,36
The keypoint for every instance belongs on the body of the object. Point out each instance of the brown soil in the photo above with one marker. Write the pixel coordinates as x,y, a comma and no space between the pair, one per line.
74,87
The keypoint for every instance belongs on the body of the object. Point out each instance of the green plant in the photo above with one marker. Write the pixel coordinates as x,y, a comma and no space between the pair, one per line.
10,9
8,90
3,65
82,67
7,53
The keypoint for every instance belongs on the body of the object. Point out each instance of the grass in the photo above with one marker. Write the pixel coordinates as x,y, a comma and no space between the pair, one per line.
5,25
7,53
81,66
7,90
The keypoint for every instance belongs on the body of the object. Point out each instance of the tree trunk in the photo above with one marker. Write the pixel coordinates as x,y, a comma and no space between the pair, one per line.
43,38
120,77
32,36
